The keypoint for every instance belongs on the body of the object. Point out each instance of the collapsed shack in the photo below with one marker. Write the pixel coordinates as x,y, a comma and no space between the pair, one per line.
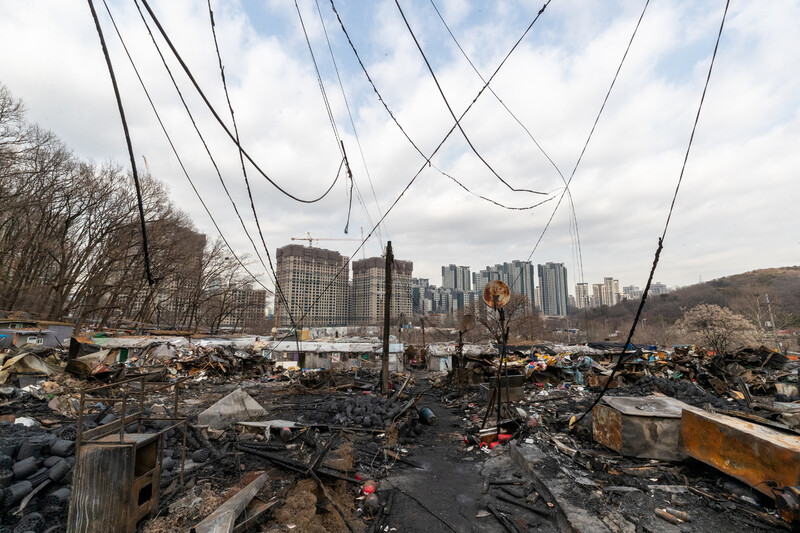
167,458
340,354
679,436
670,415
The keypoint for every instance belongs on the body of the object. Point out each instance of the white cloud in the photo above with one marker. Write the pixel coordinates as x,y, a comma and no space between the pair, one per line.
735,210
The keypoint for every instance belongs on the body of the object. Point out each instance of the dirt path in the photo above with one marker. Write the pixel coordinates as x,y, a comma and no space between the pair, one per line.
445,495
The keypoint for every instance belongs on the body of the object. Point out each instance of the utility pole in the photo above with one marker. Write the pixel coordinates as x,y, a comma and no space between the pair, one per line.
422,351
387,311
772,321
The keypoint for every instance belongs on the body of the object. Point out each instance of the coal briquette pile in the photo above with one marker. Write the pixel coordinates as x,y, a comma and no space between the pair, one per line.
29,458
364,411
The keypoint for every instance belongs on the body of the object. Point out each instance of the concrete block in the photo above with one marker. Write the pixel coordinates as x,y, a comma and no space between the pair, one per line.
646,427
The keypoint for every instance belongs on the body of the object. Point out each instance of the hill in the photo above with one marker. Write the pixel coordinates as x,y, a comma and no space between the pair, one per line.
744,294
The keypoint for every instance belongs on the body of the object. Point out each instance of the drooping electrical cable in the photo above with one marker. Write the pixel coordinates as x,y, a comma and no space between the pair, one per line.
355,131
623,356
145,250
574,222
450,108
339,142
278,287
177,156
194,125
319,76
219,120
591,132
428,159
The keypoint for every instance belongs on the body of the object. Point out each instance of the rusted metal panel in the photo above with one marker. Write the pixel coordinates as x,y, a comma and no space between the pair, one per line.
607,427
647,427
115,484
749,452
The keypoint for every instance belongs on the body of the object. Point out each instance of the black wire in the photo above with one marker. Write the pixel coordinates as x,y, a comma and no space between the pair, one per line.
246,181
427,159
450,109
622,356
495,202
350,175
177,156
219,120
355,131
196,129
696,120
335,129
518,121
403,131
591,132
319,76
150,280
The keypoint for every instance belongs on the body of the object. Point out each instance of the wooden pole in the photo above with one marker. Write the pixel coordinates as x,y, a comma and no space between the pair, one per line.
460,358
387,311
422,351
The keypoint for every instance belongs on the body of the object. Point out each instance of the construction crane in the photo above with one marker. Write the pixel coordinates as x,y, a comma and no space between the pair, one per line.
311,240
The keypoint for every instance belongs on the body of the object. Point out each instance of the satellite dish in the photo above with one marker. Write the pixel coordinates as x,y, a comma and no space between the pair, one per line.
467,322
496,294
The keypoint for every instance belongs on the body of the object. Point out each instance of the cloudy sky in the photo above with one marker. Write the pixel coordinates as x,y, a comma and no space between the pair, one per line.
737,208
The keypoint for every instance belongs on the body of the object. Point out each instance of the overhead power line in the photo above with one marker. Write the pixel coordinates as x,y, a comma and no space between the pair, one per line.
339,142
177,156
278,287
591,132
450,108
220,121
623,357
194,124
405,133
139,202
527,131
355,131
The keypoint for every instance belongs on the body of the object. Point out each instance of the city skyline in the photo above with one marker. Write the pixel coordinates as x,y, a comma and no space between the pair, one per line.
521,276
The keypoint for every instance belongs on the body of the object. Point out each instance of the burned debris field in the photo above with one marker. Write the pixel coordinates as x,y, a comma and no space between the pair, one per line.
223,225
222,439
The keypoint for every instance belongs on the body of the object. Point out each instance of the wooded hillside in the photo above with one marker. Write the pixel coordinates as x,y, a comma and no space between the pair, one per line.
745,294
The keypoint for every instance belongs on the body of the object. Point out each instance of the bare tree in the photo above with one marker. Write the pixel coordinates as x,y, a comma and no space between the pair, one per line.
717,328
522,322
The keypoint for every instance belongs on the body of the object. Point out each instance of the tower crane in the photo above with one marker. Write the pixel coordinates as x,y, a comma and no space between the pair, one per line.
311,240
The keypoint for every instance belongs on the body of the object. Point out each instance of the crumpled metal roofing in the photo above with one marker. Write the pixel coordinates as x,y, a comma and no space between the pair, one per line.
444,350
329,347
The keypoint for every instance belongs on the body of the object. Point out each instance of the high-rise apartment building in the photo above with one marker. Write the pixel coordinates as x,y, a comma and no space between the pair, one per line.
248,310
582,298
632,292
418,288
597,294
369,283
657,288
456,277
314,283
482,278
611,292
553,286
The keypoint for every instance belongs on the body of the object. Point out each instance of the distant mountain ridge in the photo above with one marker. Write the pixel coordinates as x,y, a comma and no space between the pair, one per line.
745,294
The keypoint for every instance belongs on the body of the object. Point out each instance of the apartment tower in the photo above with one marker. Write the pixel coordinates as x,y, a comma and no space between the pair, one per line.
314,283
369,290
